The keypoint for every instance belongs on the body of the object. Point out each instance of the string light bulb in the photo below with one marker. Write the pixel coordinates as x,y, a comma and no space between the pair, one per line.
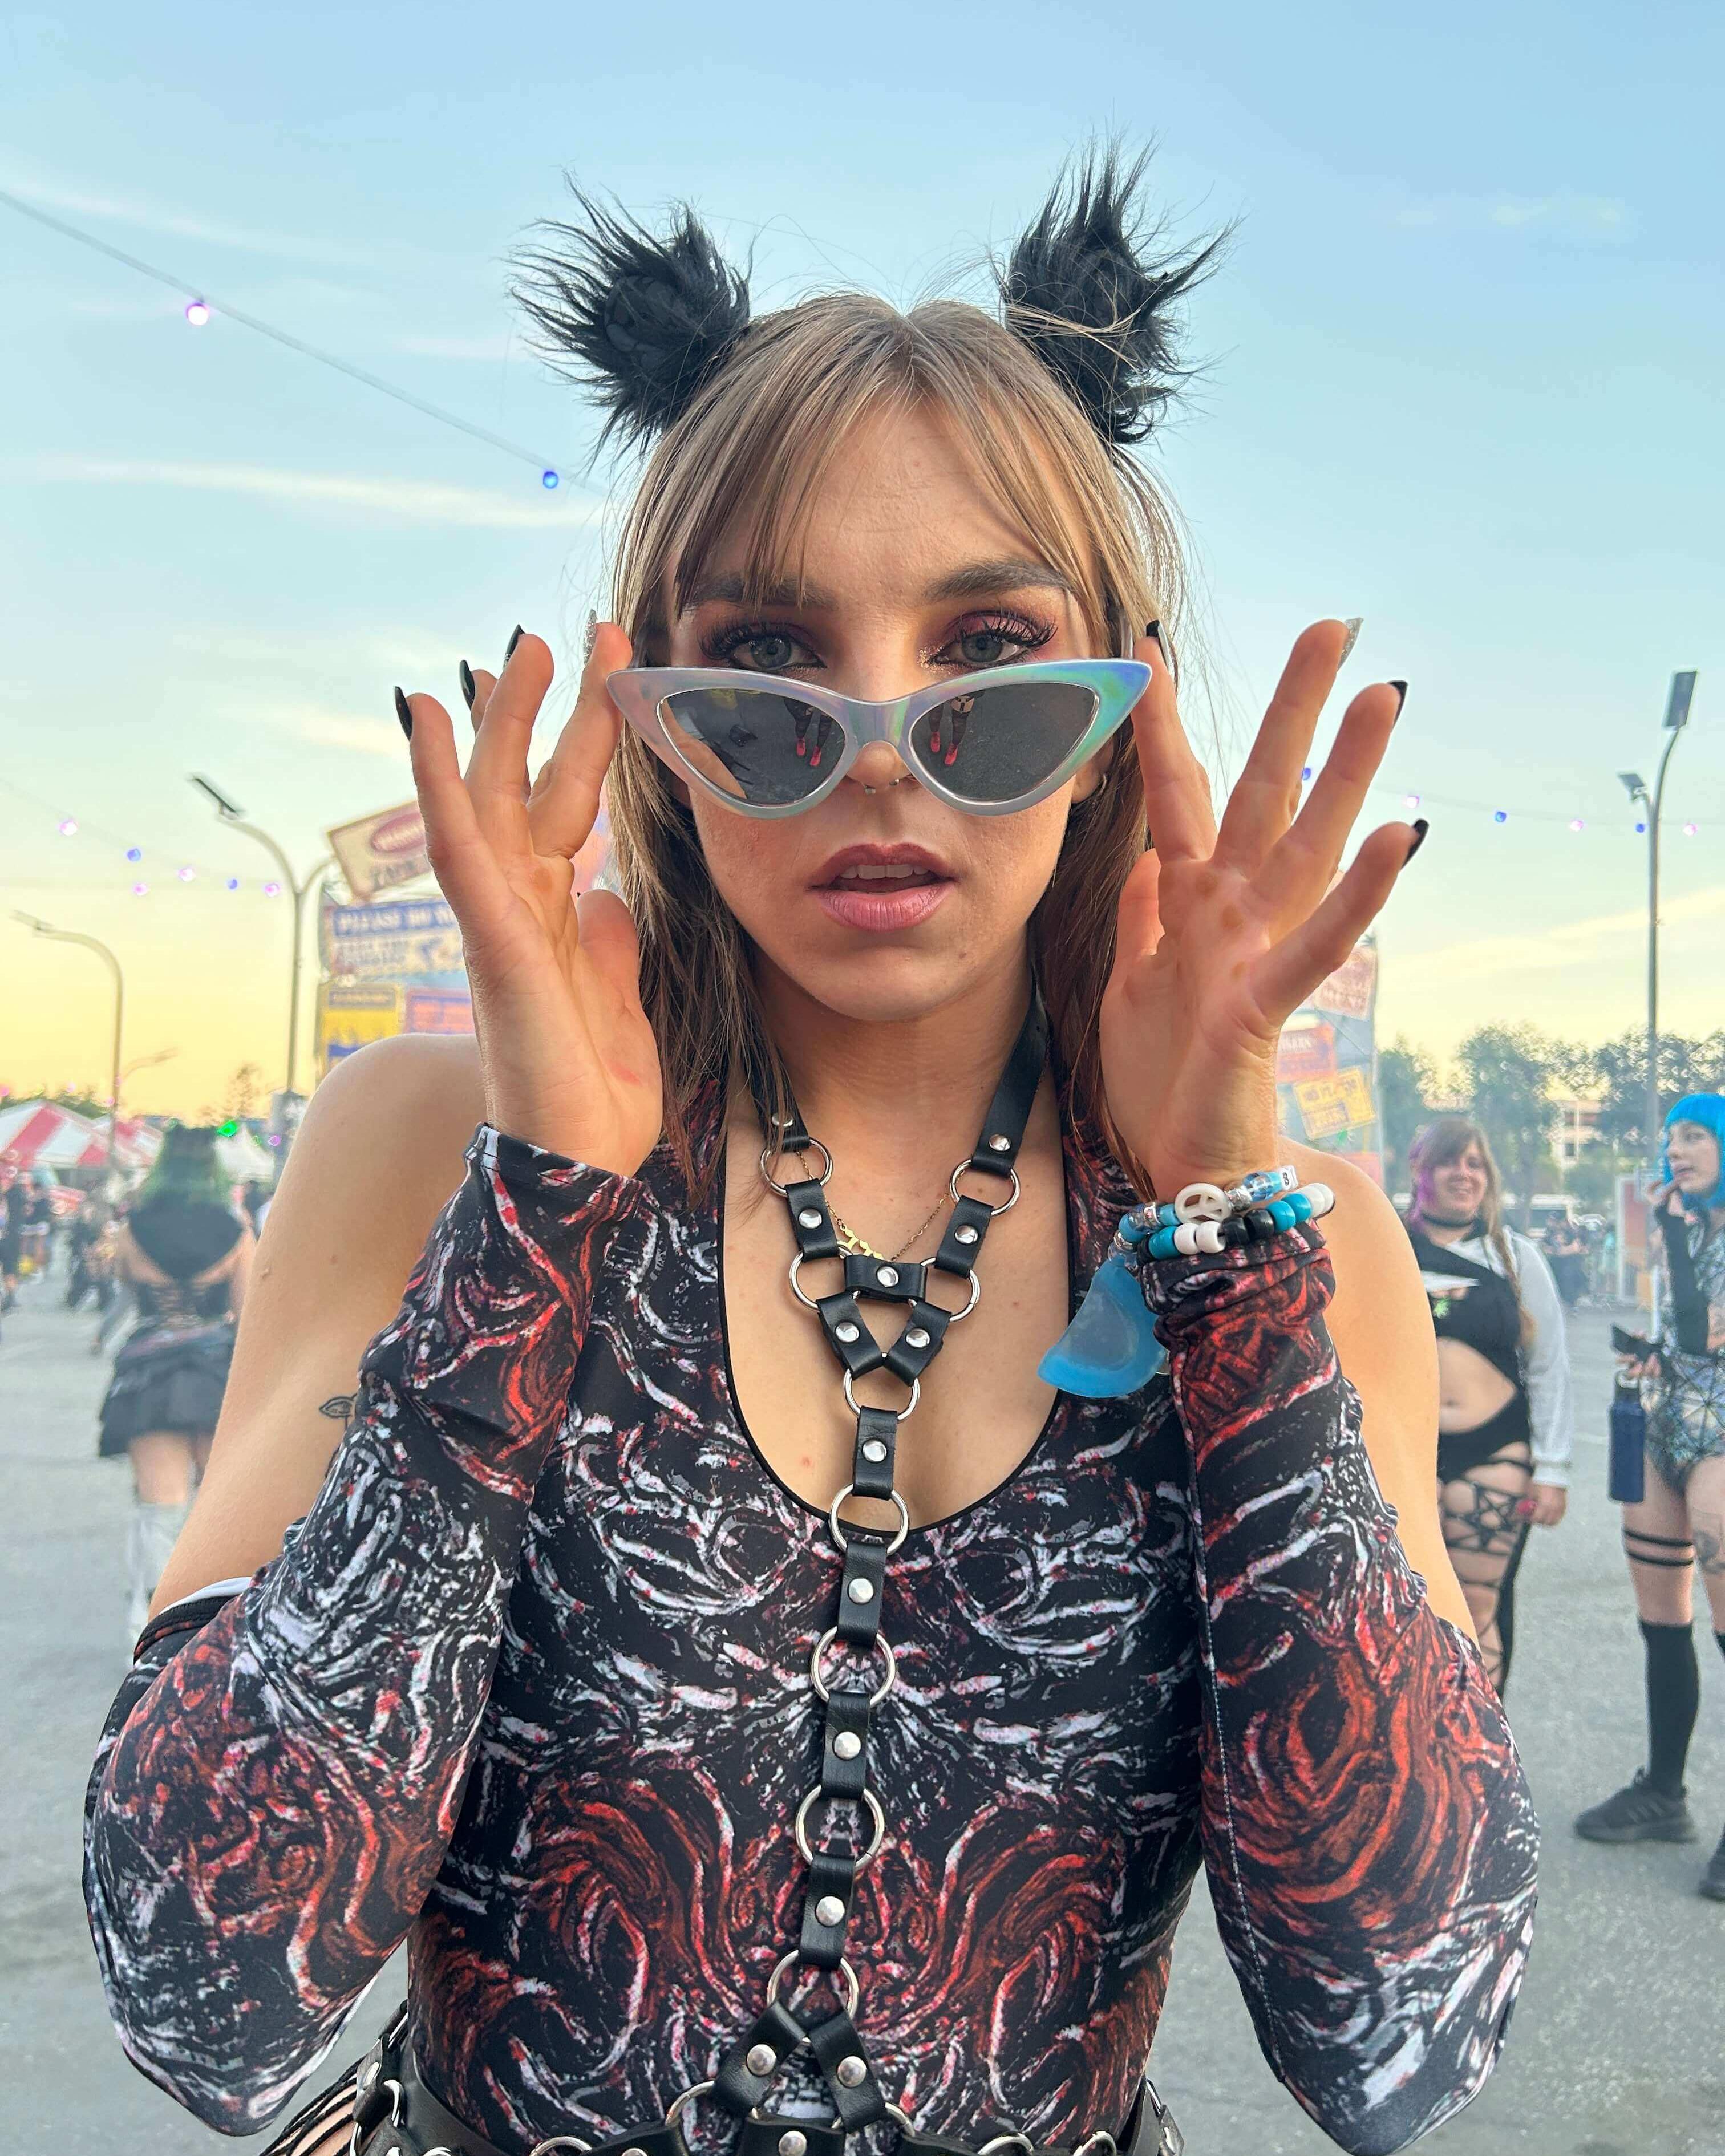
197,312
134,853
272,890
1689,830
1410,801
187,873
1576,823
141,890
68,827
1640,829
547,480
1500,815
233,883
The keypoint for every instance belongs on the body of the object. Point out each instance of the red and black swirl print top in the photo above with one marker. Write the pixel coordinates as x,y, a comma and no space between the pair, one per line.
528,1687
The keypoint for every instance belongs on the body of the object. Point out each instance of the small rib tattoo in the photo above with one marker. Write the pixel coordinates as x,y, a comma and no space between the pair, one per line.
339,1407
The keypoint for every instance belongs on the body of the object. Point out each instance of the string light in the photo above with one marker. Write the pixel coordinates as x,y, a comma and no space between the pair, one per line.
1305,775
199,308
134,853
1689,830
233,883
68,827
1639,829
141,890
1576,824
187,873
1500,815
1410,801
272,890
547,479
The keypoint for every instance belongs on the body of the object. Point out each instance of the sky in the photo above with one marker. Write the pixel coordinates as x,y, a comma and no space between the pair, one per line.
1462,378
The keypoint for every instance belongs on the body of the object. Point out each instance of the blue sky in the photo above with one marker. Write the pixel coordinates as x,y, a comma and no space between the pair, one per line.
1464,381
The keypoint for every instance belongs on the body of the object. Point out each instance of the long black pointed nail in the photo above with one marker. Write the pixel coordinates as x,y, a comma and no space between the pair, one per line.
513,641
1401,696
1421,827
405,715
469,687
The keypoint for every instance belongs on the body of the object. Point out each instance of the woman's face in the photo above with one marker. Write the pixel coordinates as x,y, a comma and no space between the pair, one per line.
1459,1186
886,906
1693,1152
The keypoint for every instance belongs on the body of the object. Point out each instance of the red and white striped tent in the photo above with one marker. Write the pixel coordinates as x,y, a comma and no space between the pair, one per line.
43,1134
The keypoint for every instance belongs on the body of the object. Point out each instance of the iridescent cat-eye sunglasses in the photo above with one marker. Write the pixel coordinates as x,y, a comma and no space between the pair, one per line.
989,743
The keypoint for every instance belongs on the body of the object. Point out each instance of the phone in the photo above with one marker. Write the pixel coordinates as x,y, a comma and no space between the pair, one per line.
1631,1343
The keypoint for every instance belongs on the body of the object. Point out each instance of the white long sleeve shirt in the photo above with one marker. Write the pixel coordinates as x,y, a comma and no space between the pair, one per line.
1545,1358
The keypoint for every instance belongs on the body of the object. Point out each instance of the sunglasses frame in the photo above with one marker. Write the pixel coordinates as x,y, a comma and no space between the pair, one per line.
1117,683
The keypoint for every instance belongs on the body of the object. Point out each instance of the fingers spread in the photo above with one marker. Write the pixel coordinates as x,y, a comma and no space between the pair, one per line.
1177,794
565,799
1302,861
1290,969
1263,800
466,869
497,770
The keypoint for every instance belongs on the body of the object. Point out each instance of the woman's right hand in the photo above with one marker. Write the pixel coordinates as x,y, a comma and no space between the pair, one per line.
568,1056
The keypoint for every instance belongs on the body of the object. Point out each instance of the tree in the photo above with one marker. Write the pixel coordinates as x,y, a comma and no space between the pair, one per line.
1620,1074
1508,1071
1592,1182
1407,1079
248,1092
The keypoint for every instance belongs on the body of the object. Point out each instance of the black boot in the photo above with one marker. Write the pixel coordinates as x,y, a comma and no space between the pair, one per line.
1639,1813
1713,1880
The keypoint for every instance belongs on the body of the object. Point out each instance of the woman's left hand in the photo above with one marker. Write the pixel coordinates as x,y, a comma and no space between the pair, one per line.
1222,935
1549,1502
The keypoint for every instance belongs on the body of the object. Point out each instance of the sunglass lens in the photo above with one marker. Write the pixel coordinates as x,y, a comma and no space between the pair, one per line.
758,747
999,743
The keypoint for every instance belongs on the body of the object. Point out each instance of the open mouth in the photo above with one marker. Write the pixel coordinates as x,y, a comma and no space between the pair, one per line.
883,877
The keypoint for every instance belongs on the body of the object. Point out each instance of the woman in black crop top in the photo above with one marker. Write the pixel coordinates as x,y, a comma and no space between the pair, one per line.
757,1726
1504,1410
184,1255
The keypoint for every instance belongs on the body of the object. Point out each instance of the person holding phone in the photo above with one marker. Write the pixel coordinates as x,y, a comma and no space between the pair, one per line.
751,1687
1678,1525
1506,1414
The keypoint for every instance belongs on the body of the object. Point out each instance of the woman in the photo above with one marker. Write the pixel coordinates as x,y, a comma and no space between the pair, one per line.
572,1670
1506,1423
185,1256
1679,1522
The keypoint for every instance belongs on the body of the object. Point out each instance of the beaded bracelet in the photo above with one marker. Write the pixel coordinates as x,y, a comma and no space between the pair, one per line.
1255,1224
1210,1201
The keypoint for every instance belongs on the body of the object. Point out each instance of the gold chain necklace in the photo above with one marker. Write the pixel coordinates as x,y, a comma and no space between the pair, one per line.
850,1241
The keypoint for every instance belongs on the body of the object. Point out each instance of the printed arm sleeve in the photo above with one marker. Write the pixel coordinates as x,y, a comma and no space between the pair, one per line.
1367,1827
275,1791
1545,1362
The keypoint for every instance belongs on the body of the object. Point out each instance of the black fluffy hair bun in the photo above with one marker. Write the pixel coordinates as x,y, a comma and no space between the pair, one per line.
1092,290
639,319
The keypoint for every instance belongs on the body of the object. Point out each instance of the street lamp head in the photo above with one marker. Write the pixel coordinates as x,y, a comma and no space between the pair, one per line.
230,810
1677,703
1634,784
29,920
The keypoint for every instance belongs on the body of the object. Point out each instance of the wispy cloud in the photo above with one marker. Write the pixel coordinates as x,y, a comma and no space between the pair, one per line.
1573,943
1565,213
376,736
389,501
216,231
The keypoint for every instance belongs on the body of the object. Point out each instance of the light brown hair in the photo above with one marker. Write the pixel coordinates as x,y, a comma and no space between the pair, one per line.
748,457
1438,1144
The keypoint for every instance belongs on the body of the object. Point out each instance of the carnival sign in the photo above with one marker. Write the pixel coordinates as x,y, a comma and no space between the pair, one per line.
396,940
377,852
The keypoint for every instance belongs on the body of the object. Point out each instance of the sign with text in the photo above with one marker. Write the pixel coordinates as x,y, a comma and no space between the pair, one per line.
391,941
1330,1106
377,852
352,1015
436,1010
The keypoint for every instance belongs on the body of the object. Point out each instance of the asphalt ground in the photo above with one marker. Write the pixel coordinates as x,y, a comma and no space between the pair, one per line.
1618,2045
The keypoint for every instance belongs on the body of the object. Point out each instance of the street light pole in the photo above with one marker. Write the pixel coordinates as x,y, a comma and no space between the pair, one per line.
1678,701
102,950
234,817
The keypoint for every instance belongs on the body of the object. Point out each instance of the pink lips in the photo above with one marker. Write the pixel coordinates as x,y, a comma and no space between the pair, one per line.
882,906
881,910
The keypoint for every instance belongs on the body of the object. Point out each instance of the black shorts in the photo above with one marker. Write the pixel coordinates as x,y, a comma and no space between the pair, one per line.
1460,1450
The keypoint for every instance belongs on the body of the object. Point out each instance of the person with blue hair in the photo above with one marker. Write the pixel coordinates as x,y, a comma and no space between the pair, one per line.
1679,1522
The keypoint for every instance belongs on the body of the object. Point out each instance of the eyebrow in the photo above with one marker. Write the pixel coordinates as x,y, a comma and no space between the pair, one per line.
1011,573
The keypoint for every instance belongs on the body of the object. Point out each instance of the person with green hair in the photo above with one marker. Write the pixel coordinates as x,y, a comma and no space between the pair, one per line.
184,1256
